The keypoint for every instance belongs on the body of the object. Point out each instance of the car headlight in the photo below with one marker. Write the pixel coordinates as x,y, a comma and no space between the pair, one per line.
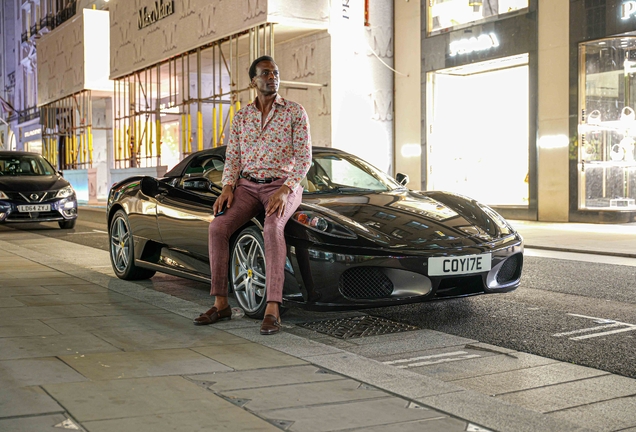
322,224
65,192
3,195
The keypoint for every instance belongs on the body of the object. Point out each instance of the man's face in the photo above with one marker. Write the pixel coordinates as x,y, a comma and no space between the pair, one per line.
266,79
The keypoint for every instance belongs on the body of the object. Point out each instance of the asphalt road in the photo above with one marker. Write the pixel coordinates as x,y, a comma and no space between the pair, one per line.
578,311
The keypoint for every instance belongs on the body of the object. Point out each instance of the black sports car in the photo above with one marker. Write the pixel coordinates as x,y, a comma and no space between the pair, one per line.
359,239
32,190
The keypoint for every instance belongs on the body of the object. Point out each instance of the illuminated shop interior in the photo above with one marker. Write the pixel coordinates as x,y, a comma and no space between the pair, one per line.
607,124
478,131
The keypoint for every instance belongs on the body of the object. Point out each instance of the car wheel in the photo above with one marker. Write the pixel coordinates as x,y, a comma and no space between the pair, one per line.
247,272
122,254
67,224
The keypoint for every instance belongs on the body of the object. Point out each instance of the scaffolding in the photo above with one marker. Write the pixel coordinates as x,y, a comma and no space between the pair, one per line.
186,103
67,131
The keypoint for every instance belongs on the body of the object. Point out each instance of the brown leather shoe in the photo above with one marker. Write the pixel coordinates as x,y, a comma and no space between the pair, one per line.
270,325
213,315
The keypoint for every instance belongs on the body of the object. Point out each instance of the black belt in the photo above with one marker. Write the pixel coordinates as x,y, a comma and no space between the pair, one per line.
261,180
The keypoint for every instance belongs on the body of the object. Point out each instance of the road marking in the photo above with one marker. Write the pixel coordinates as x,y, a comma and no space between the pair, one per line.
89,232
431,359
626,327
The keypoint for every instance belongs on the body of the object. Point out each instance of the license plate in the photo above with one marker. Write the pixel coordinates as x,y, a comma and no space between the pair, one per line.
467,264
34,208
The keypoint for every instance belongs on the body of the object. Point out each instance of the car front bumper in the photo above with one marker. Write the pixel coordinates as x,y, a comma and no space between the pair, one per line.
320,278
61,209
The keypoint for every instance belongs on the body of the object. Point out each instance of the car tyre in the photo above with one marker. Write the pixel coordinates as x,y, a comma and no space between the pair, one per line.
67,224
247,272
122,253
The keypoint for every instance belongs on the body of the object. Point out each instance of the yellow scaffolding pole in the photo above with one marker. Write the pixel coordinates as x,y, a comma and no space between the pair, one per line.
221,124
158,136
214,127
90,145
189,136
199,131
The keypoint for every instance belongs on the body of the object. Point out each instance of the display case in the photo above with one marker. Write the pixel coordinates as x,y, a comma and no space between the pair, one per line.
607,124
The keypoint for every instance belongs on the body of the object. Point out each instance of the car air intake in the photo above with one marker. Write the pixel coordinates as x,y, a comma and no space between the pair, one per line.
365,283
510,270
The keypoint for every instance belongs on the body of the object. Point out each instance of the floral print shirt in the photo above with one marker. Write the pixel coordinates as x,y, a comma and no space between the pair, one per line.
280,148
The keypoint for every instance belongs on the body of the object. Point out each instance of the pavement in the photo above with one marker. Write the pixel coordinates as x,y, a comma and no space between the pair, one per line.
83,350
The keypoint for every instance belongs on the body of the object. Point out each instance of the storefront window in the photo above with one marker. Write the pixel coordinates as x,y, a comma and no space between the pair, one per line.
607,124
446,14
478,131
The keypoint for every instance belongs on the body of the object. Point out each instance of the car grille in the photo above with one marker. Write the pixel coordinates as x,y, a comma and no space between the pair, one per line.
510,270
26,196
365,283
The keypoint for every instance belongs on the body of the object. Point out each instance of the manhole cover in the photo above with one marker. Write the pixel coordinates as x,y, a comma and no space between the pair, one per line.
357,327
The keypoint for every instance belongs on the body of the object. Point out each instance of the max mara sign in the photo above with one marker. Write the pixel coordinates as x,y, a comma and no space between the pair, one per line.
160,10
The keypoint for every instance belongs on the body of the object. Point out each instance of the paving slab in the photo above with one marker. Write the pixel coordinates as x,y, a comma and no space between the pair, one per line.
45,312
475,367
612,415
43,281
399,381
10,302
248,356
64,299
434,424
286,342
523,379
306,394
31,372
125,308
138,364
344,416
25,328
117,399
40,423
77,289
24,401
496,414
50,346
220,420
263,378
418,341
572,394
23,290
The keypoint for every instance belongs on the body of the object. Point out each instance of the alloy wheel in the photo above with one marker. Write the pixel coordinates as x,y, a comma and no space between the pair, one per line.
248,273
120,244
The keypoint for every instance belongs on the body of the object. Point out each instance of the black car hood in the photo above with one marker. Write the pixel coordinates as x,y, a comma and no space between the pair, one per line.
407,219
31,183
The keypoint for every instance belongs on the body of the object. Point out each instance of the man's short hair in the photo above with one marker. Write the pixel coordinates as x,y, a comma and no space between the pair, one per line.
252,70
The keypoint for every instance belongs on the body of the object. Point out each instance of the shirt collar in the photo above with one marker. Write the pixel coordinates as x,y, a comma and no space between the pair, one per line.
278,101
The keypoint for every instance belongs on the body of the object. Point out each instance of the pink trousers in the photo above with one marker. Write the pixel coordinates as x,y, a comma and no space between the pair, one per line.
249,200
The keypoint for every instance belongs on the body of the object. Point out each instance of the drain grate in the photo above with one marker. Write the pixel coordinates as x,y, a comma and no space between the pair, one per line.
357,327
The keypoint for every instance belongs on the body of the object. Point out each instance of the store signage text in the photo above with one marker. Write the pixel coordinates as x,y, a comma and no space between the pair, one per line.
474,44
628,9
33,132
345,9
160,10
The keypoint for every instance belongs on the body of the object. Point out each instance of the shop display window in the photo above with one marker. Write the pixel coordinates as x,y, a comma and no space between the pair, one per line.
447,14
607,124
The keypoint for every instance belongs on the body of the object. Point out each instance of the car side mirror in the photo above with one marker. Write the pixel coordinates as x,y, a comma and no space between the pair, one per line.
402,179
150,187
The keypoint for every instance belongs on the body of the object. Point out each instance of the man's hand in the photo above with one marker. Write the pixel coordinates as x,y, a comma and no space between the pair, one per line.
278,201
224,200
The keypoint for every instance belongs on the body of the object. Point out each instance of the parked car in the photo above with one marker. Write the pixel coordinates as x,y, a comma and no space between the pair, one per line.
360,239
32,190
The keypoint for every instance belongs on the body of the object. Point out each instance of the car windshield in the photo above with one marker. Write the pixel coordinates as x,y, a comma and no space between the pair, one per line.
24,165
333,172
